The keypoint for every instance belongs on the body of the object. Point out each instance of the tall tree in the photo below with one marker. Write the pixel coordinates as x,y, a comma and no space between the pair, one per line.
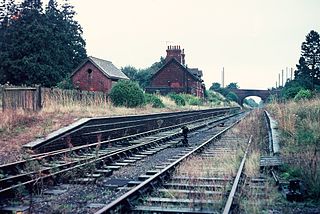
232,85
130,71
310,51
40,47
32,4
8,12
215,86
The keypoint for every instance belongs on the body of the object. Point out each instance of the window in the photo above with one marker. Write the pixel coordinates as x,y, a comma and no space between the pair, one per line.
89,73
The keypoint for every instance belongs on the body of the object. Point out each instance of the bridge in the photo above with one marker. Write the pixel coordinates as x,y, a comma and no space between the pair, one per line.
263,94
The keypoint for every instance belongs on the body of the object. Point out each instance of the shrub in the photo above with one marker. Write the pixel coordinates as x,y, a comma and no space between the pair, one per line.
232,97
178,99
127,93
153,100
215,97
303,94
65,84
192,100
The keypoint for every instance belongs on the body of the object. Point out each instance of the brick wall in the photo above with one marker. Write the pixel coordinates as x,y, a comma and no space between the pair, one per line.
94,81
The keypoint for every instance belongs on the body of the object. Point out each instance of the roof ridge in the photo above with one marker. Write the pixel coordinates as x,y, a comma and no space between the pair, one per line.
93,57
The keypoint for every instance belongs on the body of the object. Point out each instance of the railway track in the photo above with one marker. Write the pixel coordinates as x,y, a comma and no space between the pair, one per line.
102,157
90,130
175,188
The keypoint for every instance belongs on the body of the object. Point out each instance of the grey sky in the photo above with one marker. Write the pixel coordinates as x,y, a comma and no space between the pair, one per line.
252,39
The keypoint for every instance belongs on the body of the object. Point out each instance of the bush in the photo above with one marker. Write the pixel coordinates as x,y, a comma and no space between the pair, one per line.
215,97
65,84
192,100
232,97
153,100
178,99
127,93
303,94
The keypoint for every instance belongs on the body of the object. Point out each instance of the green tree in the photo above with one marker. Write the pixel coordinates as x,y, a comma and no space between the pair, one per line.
302,74
143,76
215,86
310,51
130,71
232,97
40,47
233,85
32,5
251,102
8,10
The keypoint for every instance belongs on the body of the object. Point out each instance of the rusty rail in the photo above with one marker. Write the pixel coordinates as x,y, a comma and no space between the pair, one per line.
229,203
122,204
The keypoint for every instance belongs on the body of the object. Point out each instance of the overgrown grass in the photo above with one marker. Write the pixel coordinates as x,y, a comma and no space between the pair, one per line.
300,141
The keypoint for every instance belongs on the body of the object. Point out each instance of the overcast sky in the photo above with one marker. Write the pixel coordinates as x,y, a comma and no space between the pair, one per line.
252,39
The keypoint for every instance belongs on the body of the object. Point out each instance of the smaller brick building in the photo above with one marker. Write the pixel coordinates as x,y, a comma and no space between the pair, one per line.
95,74
176,77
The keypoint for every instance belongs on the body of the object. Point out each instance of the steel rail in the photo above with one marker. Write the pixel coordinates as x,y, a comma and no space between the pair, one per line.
109,157
81,130
234,188
123,203
102,144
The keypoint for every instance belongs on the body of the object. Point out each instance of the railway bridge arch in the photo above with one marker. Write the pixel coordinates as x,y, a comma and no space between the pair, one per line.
263,94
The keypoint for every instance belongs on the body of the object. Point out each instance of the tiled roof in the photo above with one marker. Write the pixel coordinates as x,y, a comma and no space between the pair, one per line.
173,60
108,68
195,71
104,66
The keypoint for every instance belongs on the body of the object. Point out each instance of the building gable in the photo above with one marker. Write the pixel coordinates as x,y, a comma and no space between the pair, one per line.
106,67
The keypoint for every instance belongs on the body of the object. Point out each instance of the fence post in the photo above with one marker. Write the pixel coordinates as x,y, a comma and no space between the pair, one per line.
3,97
38,98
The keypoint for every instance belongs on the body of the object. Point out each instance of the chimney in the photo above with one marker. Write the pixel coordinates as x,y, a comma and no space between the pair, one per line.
175,52
182,57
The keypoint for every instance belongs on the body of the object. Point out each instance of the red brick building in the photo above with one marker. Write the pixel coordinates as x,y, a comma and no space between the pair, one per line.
176,77
95,74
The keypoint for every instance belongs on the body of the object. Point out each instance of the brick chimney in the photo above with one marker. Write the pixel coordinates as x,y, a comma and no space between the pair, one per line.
182,57
175,52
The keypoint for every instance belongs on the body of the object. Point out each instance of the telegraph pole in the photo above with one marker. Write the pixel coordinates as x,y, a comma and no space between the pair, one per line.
222,77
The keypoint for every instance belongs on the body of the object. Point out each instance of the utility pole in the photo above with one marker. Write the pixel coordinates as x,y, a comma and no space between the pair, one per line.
222,77
279,79
286,74
282,77
291,74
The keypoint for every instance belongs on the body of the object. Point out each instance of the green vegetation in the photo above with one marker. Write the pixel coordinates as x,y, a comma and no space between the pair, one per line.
154,100
307,75
226,91
251,102
192,100
303,94
300,141
127,93
178,99
38,46
143,76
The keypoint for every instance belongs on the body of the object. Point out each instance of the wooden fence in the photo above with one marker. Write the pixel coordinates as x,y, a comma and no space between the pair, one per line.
27,98
34,98
69,97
